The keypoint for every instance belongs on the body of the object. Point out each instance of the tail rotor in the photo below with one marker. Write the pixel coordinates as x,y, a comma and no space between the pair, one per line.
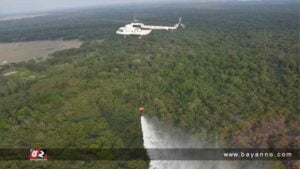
183,26
180,23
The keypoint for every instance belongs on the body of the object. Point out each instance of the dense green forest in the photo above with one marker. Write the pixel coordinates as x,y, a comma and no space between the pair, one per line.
233,72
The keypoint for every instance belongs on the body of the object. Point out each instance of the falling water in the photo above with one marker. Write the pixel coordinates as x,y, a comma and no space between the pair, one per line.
157,135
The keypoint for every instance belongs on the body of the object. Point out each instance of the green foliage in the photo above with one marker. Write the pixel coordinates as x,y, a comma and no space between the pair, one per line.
232,64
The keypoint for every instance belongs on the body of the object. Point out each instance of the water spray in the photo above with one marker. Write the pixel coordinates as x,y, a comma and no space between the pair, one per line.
158,135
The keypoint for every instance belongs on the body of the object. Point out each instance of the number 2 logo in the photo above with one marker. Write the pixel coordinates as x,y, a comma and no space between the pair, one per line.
41,154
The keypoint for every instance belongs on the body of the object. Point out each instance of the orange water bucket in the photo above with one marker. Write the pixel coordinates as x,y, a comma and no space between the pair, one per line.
141,110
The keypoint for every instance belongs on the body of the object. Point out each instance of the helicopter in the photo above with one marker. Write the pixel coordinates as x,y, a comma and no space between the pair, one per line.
139,29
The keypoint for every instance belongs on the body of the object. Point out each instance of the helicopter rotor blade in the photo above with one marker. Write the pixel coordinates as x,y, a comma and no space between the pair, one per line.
121,21
115,20
136,20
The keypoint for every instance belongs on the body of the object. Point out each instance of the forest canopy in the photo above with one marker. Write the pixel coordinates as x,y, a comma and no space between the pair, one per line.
233,72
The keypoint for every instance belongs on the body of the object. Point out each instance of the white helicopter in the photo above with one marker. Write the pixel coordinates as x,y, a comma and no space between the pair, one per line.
139,29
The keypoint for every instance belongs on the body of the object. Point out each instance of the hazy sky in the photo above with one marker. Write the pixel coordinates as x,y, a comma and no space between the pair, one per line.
19,6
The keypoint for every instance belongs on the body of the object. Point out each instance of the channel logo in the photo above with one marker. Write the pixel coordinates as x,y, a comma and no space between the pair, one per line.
38,154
